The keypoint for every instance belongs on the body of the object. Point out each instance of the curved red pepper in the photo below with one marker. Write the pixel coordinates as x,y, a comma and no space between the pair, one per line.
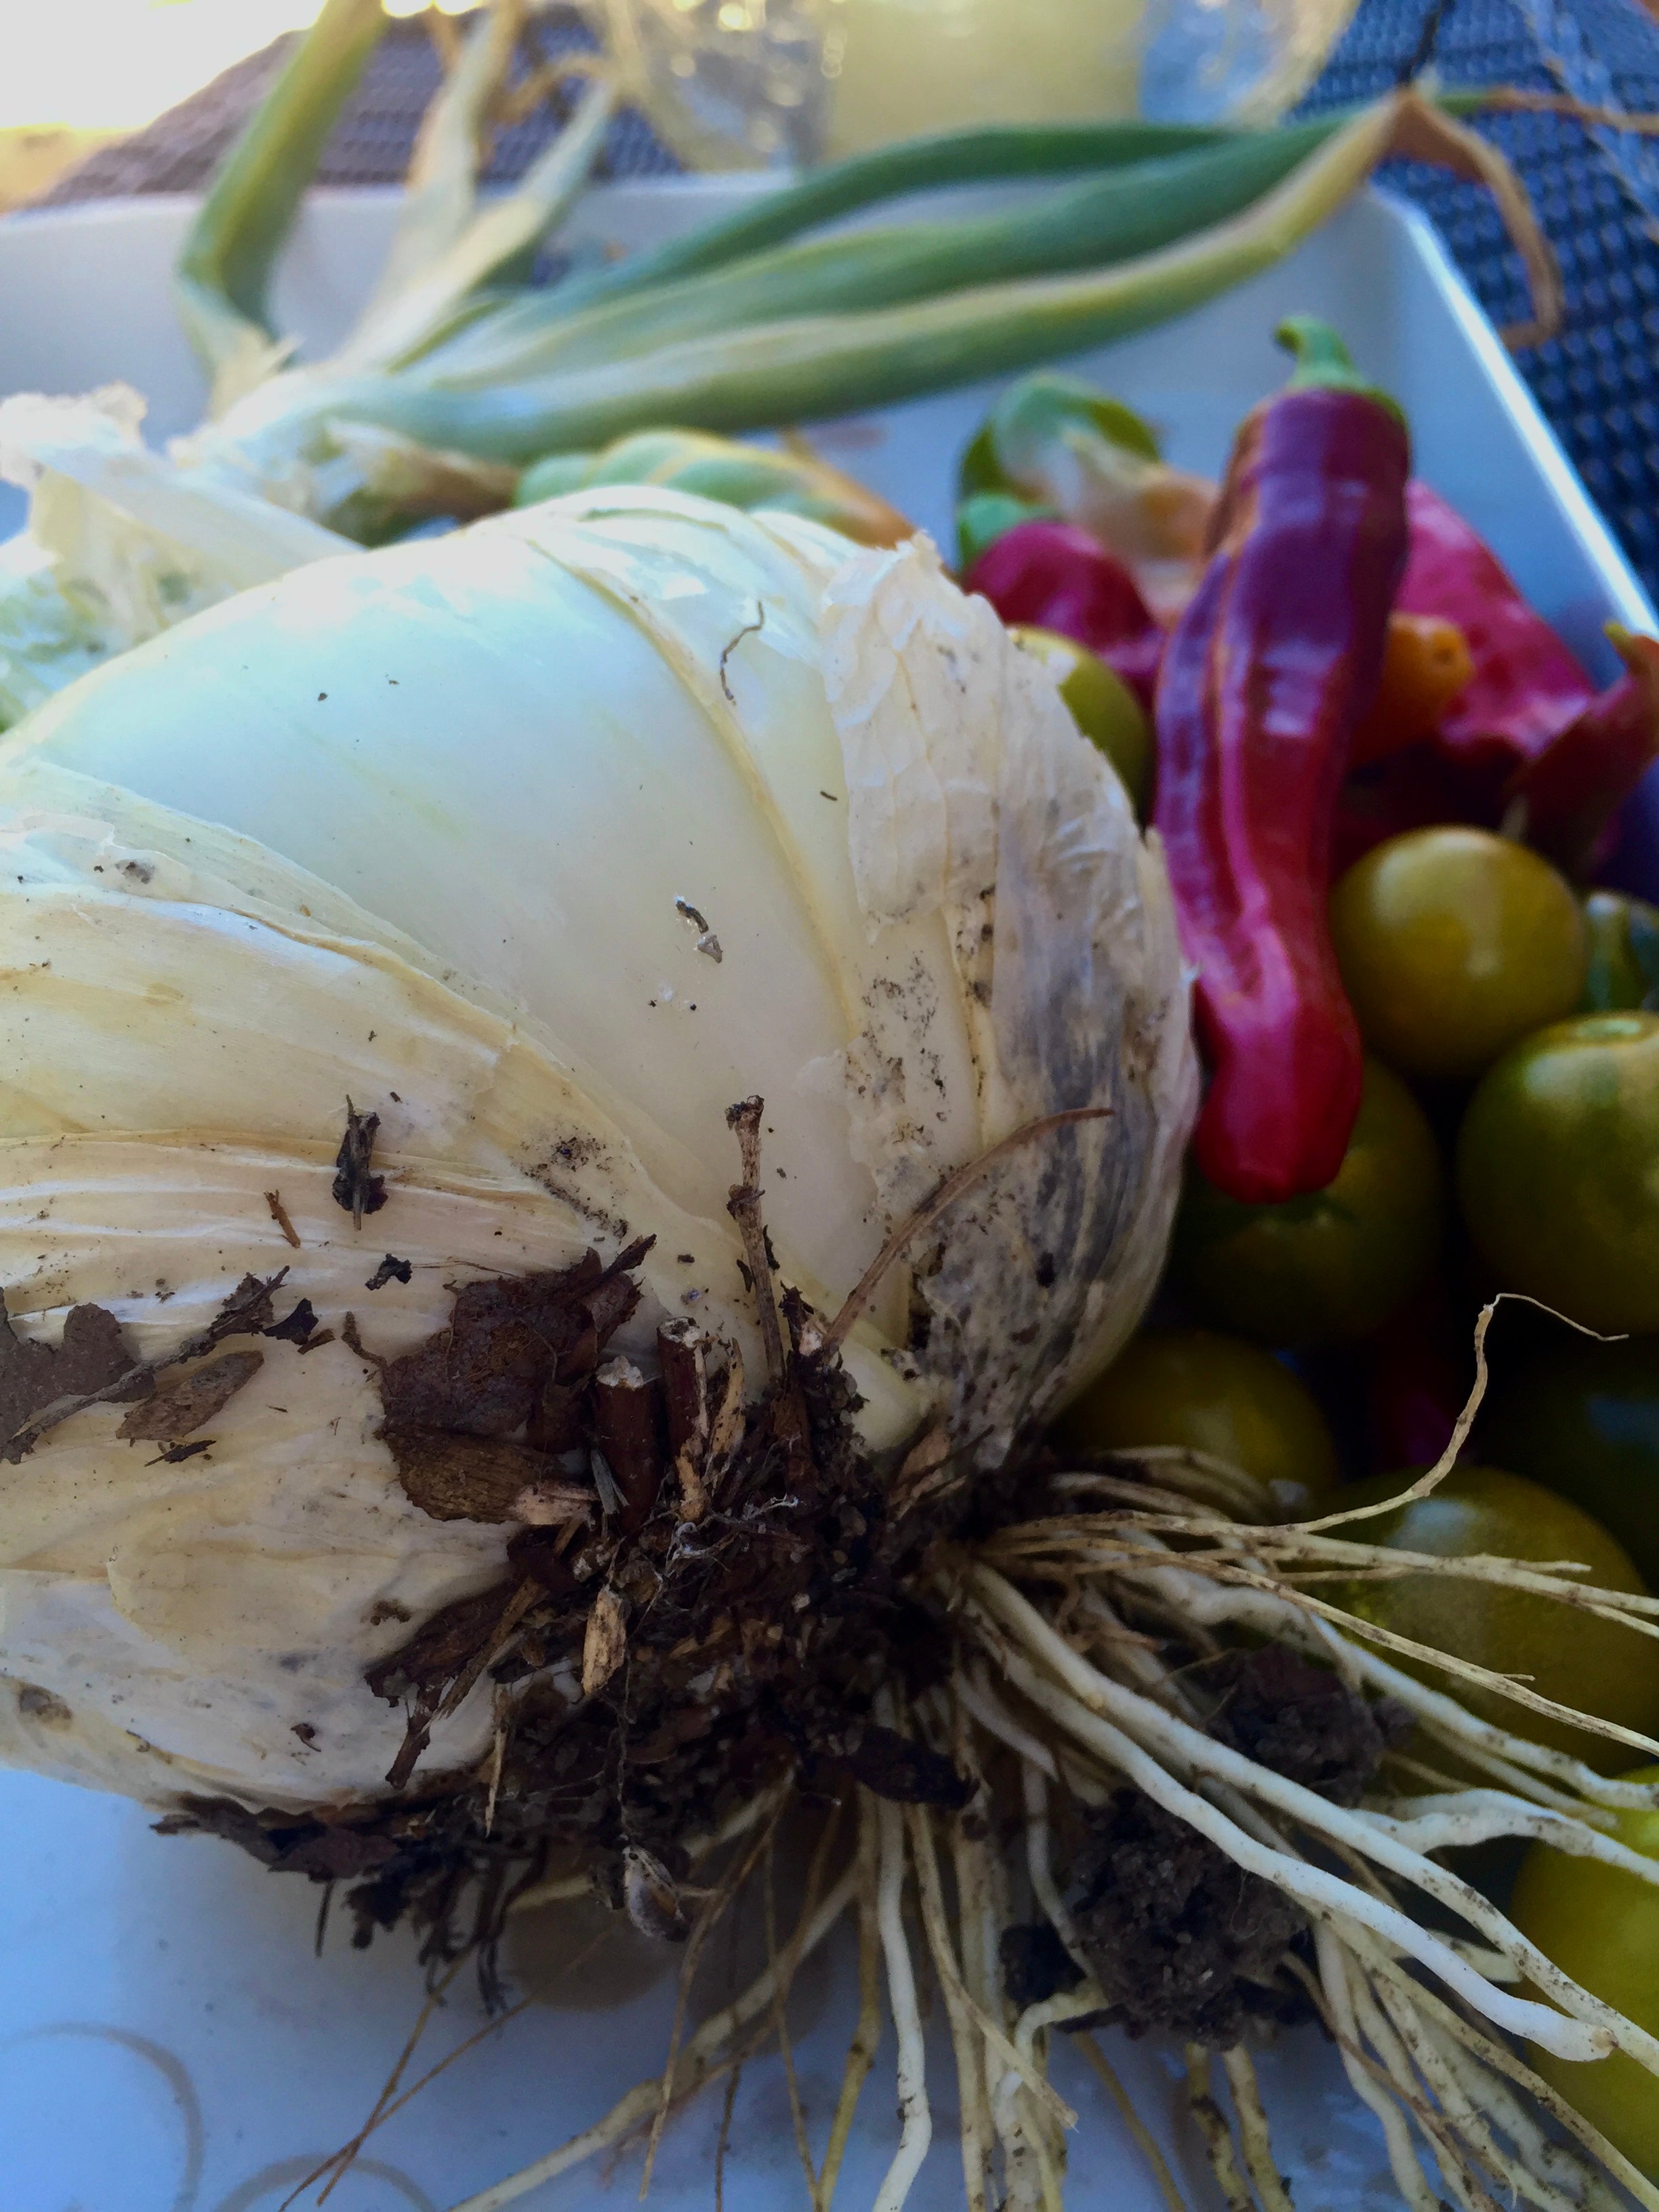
1525,687
1055,576
1563,800
1263,681
1526,743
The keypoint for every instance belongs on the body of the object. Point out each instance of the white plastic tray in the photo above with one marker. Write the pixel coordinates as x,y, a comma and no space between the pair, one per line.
167,2042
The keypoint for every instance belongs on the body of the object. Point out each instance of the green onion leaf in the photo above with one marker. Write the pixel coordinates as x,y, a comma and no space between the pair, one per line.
224,271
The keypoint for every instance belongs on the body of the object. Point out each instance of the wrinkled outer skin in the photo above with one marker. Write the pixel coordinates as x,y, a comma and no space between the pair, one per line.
1264,679
418,829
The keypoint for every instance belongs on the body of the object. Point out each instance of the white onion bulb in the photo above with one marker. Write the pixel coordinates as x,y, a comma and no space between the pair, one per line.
453,829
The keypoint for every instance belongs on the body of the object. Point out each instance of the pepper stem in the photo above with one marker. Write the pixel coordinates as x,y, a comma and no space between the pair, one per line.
1323,363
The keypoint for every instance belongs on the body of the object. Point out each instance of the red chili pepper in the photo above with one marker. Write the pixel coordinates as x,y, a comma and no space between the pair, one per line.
1055,576
1527,743
1525,687
1564,800
1263,682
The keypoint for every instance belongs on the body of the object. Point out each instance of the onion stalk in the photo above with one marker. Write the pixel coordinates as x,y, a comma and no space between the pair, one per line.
1105,219
513,382
456,373
225,269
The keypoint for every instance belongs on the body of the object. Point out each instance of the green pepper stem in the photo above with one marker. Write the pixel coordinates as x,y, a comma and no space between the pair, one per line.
1323,363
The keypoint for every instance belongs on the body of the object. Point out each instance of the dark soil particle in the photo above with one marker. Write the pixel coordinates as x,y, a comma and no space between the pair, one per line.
355,1188
1283,1711
91,1359
1172,1928
748,1550
897,1767
1181,1939
767,1582
295,1327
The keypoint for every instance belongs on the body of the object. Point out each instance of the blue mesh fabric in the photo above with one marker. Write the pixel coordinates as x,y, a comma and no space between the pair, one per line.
1598,382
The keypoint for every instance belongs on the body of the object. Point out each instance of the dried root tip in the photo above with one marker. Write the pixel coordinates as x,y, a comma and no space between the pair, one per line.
1254,2139
1159,2165
705,2054
625,1426
916,2114
743,1206
604,1641
1213,2126
866,2034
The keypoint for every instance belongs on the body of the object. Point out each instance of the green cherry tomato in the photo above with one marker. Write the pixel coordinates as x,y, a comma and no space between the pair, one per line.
1582,1418
1558,1170
1597,1666
1453,943
1624,954
1103,706
1332,1265
1210,1394
1601,1925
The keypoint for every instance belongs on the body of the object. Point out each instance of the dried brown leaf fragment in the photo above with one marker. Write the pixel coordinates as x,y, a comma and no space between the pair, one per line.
248,1311
178,1409
605,1643
462,1478
507,1339
279,1215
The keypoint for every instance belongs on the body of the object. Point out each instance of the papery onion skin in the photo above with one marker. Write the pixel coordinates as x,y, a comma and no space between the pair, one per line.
421,828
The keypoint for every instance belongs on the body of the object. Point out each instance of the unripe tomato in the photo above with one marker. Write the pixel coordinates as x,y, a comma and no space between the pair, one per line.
1558,1170
1103,706
1601,1925
1453,943
1624,962
1211,1394
1595,1666
1336,1263
1582,1418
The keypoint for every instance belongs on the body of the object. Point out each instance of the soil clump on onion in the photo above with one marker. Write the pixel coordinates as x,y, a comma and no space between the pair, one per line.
759,1585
